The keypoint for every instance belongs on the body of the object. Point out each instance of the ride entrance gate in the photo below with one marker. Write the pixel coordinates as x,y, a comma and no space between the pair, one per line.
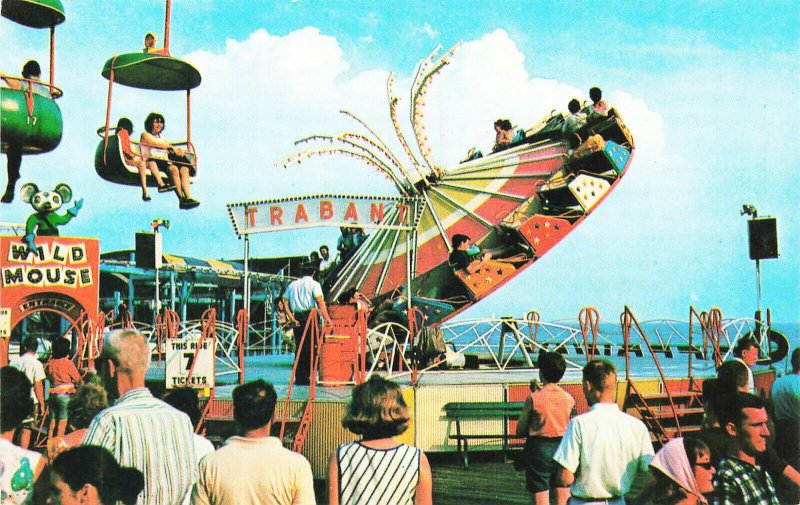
62,277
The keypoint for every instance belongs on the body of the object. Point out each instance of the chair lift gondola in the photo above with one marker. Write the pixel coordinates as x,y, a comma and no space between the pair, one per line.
157,71
32,121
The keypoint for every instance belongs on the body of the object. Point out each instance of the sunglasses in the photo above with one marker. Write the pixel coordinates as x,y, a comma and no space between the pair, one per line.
707,466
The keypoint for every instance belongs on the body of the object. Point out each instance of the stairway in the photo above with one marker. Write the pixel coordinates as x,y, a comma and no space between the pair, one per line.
666,414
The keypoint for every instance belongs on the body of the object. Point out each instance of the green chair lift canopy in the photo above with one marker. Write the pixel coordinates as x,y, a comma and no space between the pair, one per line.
34,13
152,71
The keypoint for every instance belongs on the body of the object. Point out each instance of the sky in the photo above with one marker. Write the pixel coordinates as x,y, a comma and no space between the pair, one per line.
708,89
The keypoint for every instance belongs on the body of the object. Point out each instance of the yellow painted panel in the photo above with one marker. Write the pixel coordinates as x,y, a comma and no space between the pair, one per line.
408,436
433,427
325,435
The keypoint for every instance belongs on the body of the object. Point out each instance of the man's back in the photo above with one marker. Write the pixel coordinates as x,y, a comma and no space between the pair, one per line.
146,433
254,470
301,294
604,448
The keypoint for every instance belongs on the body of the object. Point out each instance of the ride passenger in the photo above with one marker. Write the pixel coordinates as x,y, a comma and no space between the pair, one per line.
123,132
576,120
466,256
152,142
31,72
150,45
502,139
600,109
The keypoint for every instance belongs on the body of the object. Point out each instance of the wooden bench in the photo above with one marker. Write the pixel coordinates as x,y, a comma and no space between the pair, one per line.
505,411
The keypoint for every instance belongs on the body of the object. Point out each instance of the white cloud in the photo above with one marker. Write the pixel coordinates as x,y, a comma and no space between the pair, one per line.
264,92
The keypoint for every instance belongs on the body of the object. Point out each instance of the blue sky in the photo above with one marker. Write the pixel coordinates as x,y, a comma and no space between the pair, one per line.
708,88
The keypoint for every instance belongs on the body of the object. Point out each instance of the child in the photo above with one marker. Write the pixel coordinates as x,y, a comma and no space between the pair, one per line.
63,376
123,132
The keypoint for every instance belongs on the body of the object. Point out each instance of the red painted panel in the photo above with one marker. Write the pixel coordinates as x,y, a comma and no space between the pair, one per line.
543,232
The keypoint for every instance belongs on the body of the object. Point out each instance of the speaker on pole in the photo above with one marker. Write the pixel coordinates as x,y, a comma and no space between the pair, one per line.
148,250
763,237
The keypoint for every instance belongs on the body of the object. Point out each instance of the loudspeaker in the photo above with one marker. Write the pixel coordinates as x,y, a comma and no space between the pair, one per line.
148,250
763,236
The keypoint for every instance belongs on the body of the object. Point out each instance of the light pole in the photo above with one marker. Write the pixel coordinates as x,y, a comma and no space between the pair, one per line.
156,224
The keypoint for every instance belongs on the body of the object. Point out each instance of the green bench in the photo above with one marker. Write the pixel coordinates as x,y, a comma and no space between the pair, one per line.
458,411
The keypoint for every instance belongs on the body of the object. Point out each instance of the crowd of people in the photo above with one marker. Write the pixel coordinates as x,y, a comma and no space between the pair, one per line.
139,449
743,454
143,450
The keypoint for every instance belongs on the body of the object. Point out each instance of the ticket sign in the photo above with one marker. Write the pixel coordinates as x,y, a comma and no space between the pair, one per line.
385,212
5,322
181,353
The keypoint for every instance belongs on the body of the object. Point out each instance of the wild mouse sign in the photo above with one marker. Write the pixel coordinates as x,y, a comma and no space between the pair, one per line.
62,275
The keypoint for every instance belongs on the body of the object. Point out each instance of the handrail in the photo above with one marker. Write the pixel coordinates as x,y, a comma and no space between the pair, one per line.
627,320
208,330
242,318
55,91
414,335
589,319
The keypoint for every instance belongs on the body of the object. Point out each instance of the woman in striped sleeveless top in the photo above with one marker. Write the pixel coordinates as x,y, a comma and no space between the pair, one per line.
378,470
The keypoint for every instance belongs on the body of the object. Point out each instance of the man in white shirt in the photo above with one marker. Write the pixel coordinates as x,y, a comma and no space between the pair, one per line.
255,467
325,259
603,450
746,352
300,298
28,363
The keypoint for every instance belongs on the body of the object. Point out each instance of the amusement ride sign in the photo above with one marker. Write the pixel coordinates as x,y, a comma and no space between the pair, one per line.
61,276
385,212
185,355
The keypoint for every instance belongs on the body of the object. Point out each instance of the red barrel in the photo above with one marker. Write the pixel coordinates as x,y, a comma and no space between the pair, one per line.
336,363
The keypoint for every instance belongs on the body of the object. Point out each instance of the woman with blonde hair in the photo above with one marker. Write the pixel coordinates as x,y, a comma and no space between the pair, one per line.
377,469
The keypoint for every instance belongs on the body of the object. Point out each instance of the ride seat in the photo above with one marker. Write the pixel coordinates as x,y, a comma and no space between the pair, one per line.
486,278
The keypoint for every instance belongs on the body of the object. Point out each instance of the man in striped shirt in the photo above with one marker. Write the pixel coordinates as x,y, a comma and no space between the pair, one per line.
140,430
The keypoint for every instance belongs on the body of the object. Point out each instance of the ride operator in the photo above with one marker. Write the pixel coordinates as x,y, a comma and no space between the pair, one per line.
300,298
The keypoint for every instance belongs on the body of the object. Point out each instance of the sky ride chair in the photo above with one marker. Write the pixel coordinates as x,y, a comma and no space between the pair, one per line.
31,119
157,71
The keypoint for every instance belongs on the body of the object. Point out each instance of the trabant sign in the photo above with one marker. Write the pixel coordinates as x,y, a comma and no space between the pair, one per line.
385,212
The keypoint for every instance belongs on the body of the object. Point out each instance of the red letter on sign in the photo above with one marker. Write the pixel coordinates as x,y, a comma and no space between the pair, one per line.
275,215
251,214
376,212
351,212
402,209
300,214
325,209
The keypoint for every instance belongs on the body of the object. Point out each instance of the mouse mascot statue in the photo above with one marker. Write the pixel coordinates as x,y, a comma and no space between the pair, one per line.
45,222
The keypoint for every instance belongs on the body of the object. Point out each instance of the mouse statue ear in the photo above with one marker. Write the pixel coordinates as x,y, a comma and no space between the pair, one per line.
65,191
27,191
